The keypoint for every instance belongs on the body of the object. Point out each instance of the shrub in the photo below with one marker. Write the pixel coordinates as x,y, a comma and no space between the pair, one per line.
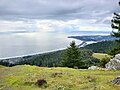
41,82
104,61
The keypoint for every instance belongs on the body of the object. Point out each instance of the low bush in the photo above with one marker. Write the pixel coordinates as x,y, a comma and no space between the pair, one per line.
41,82
104,61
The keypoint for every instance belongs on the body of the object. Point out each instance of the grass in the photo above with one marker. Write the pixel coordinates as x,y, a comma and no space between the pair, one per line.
100,55
1,66
24,77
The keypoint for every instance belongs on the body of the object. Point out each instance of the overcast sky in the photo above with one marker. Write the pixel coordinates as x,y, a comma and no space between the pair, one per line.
33,16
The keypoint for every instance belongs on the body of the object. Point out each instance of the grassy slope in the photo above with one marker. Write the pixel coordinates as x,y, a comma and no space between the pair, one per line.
1,66
100,55
23,78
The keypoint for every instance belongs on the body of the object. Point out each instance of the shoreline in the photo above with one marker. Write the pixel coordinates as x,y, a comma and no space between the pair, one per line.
21,56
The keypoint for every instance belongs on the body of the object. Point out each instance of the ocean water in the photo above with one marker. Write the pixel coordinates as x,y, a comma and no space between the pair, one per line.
22,44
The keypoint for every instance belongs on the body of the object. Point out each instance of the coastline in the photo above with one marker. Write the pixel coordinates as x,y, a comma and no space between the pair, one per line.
39,53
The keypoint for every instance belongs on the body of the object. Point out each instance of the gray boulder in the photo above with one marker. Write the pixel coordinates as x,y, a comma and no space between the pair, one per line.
116,80
114,64
93,68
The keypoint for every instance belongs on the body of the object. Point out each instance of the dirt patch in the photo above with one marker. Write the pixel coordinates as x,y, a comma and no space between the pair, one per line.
41,82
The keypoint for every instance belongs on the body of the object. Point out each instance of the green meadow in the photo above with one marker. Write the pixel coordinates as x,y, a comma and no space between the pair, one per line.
24,77
101,55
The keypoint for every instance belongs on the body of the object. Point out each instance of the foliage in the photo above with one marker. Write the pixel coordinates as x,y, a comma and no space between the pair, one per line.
41,83
101,47
104,58
24,77
114,50
72,56
116,26
101,56
52,59
104,61
46,59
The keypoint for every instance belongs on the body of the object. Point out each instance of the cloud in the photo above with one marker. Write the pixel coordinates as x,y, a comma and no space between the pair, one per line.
31,16
56,9
15,27
51,26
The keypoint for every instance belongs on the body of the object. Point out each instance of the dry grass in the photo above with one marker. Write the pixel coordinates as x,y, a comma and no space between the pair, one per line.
100,55
24,77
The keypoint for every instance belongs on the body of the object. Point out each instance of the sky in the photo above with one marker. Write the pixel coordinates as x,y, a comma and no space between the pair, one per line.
58,16
36,26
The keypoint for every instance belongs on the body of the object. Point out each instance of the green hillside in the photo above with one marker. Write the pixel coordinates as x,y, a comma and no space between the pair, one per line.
50,59
100,56
24,77
101,47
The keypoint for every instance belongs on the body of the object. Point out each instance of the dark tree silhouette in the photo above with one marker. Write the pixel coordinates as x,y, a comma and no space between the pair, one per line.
116,26
116,33
72,56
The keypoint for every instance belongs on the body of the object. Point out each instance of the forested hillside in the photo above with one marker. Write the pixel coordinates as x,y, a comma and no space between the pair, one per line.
53,58
45,59
50,59
101,47
94,38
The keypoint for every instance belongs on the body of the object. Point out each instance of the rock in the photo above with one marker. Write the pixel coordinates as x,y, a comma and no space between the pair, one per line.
116,80
114,64
93,68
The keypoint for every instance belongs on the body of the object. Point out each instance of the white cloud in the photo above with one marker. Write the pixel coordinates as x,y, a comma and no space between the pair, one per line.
56,9
52,26
35,16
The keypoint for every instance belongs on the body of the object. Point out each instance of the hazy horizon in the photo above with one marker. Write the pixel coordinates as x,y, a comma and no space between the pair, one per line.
23,46
33,26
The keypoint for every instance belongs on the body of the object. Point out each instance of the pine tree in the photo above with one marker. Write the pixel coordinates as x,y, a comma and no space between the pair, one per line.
116,26
72,56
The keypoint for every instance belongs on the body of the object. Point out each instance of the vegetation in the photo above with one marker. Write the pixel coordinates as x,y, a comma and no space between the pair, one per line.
51,59
47,59
101,47
101,56
104,61
115,50
104,58
55,58
116,26
25,77
2,66
72,56
94,37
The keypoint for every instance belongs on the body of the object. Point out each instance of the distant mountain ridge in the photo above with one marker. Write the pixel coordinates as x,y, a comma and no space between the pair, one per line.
96,38
101,47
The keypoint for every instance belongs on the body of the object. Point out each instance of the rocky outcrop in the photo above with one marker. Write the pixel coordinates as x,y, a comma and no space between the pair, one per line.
114,64
116,80
96,68
93,68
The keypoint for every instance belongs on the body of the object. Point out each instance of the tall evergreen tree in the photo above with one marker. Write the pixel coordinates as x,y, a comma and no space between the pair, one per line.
72,56
116,26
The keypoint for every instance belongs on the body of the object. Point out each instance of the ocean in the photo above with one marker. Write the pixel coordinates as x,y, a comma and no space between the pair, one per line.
22,44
